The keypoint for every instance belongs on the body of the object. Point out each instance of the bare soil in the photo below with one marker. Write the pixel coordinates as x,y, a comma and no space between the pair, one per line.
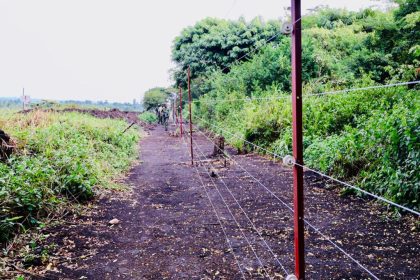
168,230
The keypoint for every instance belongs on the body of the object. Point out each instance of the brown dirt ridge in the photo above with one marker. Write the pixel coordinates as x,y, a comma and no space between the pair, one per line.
129,116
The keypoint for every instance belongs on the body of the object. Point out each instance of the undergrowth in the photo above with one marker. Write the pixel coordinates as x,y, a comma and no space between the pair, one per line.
60,159
369,138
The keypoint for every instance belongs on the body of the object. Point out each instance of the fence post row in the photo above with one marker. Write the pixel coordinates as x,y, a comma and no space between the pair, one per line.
297,139
190,115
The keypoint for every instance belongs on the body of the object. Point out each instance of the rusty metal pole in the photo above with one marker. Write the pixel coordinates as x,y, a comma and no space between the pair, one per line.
297,139
189,103
180,110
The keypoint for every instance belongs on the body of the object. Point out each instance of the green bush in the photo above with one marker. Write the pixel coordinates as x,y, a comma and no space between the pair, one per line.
62,157
148,117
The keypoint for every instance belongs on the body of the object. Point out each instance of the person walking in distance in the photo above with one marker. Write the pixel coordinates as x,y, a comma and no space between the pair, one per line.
165,117
160,112
157,114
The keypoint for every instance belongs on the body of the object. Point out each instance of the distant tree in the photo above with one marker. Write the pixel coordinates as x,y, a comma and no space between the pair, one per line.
10,102
153,97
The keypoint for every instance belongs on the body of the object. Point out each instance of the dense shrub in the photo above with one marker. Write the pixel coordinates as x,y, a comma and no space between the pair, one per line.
148,117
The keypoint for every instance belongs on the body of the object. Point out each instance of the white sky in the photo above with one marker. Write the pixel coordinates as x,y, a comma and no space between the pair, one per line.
108,49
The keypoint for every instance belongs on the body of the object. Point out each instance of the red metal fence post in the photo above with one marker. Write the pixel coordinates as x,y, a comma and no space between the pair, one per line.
180,110
189,102
297,139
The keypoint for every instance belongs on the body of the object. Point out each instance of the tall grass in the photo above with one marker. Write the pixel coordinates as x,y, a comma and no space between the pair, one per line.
60,158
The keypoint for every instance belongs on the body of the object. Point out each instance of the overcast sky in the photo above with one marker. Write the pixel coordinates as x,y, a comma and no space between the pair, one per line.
108,49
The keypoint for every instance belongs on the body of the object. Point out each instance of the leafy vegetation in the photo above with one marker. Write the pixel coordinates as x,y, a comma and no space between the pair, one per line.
369,138
61,158
148,117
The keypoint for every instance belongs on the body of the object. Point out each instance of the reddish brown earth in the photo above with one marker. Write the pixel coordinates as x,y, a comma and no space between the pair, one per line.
168,229
130,117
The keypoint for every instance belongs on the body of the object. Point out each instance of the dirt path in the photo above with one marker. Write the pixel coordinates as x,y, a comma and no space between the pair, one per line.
168,229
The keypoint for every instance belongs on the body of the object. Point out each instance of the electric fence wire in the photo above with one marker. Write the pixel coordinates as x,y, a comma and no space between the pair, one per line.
238,225
258,47
364,88
206,62
228,242
235,136
250,99
321,174
249,174
231,8
360,190
303,166
246,215
305,221
265,42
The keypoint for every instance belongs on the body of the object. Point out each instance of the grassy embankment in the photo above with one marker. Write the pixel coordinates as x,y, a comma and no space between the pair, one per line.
61,159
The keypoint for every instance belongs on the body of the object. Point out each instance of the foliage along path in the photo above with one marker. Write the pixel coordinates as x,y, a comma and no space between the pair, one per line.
167,228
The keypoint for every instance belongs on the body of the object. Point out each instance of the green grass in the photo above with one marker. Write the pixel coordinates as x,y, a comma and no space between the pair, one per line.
60,159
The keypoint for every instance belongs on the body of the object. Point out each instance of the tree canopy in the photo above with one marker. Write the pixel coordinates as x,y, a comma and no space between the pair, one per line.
153,97
215,43
339,46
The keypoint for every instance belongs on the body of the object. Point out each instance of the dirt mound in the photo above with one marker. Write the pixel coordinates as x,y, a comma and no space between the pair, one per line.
130,117
6,145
